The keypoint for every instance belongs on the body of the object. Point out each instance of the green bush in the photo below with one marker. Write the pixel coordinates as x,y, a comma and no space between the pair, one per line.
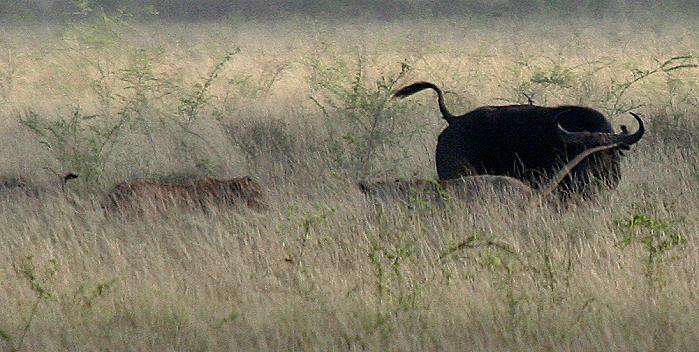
364,126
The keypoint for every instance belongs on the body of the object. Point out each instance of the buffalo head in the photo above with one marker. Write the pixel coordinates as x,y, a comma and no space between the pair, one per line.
591,139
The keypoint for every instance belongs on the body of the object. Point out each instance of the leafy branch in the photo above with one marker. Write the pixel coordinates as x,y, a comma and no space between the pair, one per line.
614,98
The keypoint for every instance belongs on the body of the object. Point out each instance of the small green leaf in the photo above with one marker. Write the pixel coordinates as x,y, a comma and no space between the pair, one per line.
5,336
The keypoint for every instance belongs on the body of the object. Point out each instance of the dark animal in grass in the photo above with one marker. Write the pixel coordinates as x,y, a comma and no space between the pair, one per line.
140,195
471,188
521,141
15,184
19,185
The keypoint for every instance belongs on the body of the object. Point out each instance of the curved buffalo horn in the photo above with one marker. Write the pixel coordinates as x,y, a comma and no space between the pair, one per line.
558,116
571,137
630,139
566,136
599,138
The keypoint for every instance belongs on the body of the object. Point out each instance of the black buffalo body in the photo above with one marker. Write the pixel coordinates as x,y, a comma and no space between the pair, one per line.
523,141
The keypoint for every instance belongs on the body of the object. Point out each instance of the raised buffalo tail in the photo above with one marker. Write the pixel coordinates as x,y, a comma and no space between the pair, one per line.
419,86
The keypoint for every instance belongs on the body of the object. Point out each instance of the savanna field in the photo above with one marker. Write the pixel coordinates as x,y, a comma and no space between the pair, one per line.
303,106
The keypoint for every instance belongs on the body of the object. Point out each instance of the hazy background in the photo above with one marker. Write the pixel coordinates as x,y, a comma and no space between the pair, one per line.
41,10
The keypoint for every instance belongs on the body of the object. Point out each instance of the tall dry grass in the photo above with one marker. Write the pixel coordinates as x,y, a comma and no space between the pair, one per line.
323,269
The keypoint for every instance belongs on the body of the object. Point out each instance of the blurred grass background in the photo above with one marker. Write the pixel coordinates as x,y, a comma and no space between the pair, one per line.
384,10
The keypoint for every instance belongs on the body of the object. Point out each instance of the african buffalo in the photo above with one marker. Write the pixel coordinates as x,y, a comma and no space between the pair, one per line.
470,188
196,193
521,141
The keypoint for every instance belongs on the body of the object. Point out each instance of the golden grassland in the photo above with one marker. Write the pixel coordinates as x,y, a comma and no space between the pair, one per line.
324,269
